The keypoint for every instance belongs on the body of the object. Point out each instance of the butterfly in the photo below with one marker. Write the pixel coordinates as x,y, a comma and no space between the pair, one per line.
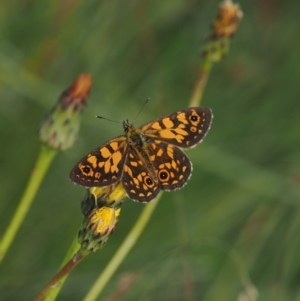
147,159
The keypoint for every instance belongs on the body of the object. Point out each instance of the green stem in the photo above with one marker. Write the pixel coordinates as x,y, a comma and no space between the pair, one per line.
122,252
43,161
200,83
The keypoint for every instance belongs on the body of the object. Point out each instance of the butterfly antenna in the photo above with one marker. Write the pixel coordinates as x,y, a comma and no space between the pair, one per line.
101,117
146,101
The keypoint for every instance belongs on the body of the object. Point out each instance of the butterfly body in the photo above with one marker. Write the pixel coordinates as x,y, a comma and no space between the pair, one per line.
146,159
138,143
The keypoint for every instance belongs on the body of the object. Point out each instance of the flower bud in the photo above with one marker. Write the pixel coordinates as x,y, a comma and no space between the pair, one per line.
60,127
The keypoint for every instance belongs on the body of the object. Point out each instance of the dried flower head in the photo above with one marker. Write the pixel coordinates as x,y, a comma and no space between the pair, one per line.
227,21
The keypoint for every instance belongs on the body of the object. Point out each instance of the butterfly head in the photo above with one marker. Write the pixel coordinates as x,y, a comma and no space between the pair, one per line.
134,135
127,126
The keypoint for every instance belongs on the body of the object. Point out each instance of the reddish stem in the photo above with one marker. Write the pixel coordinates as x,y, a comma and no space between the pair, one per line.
71,264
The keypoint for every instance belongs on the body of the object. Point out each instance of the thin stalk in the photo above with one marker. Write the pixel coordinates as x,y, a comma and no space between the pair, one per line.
200,83
60,276
42,164
51,291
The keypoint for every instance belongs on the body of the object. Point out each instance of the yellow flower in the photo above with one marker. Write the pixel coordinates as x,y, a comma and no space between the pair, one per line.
101,210
97,228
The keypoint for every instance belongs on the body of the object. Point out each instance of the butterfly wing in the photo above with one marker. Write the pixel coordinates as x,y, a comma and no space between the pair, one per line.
138,182
172,165
172,171
183,128
103,166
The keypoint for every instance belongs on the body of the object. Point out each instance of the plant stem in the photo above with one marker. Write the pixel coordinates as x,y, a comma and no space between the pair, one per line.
42,164
200,83
51,291
60,276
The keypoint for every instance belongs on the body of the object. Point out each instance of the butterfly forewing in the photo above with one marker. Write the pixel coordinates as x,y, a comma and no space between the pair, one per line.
184,128
103,166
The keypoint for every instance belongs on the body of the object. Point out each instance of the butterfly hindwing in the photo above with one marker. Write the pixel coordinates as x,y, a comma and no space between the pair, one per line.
172,166
138,182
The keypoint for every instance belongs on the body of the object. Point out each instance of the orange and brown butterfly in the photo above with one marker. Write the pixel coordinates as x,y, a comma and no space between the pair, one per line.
147,159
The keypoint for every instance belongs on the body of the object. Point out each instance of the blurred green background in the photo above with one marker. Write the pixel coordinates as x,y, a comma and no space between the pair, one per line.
238,217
